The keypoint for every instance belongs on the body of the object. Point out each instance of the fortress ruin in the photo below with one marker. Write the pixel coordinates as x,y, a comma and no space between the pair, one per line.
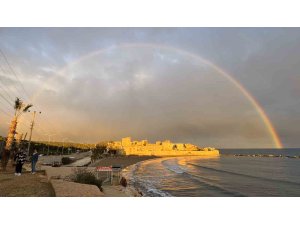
160,148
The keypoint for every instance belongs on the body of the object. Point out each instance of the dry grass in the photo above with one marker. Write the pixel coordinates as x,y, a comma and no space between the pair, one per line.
27,185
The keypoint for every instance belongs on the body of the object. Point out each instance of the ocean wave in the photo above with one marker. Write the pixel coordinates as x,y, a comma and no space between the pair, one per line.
129,173
212,186
173,167
205,182
180,178
146,187
244,175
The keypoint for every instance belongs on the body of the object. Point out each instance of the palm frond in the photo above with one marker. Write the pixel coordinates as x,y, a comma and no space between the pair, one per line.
18,104
27,107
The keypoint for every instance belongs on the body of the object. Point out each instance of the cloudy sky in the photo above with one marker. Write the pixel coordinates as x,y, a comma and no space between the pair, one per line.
95,84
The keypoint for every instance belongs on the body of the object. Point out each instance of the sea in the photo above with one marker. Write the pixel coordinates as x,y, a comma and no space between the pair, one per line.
244,172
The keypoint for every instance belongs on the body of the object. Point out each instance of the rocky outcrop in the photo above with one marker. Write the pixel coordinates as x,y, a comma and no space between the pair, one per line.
71,189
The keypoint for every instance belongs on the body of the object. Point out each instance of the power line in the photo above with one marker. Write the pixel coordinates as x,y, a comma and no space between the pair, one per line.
3,88
3,84
15,88
6,100
5,104
5,113
6,92
15,74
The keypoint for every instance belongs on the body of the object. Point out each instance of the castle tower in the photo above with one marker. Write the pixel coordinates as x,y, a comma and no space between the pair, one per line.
126,142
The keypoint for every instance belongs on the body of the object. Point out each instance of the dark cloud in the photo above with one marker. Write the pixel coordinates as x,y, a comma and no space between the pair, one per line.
156,93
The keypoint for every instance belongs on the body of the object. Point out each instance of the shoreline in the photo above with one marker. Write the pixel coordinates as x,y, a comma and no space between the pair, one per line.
126,162
130,163
131,189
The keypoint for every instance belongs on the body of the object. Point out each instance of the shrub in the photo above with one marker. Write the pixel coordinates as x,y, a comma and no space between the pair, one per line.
86,177
98,152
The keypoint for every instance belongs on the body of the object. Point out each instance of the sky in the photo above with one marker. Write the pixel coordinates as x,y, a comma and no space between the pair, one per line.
97,84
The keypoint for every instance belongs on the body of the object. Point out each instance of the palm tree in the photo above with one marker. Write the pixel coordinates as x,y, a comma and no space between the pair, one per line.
20,108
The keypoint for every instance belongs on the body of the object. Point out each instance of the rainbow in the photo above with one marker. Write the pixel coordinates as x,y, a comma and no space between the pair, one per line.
275,138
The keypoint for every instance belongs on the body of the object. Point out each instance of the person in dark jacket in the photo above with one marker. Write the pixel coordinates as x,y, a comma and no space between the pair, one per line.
34,159
20,159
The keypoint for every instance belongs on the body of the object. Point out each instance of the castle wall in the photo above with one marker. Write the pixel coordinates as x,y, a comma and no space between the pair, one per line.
126,141
165,148
159,152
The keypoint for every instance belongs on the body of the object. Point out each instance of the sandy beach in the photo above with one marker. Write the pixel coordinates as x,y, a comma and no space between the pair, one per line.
122,161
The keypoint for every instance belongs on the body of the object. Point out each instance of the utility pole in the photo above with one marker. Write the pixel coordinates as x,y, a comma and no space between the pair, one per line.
62,150
31,128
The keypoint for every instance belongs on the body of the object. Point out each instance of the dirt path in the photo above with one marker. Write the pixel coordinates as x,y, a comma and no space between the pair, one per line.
81,162
26,185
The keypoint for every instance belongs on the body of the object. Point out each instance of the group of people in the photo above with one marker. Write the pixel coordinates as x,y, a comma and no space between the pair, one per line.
20,159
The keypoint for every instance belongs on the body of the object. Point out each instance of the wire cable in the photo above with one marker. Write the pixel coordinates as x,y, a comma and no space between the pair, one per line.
5,113
6,100
15,74
4,86
13,87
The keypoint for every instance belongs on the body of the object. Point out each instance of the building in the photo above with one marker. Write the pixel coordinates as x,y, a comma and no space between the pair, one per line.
159,148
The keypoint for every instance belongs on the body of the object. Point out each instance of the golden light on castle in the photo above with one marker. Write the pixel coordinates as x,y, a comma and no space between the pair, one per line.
159,148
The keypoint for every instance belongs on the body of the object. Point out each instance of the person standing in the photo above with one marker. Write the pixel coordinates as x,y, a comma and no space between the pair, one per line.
20,158
34,159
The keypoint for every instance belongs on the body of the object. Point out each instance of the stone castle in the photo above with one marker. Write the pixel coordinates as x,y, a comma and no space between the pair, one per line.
160,148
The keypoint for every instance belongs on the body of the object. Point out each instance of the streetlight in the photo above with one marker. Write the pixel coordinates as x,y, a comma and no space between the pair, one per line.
62,150
49,135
